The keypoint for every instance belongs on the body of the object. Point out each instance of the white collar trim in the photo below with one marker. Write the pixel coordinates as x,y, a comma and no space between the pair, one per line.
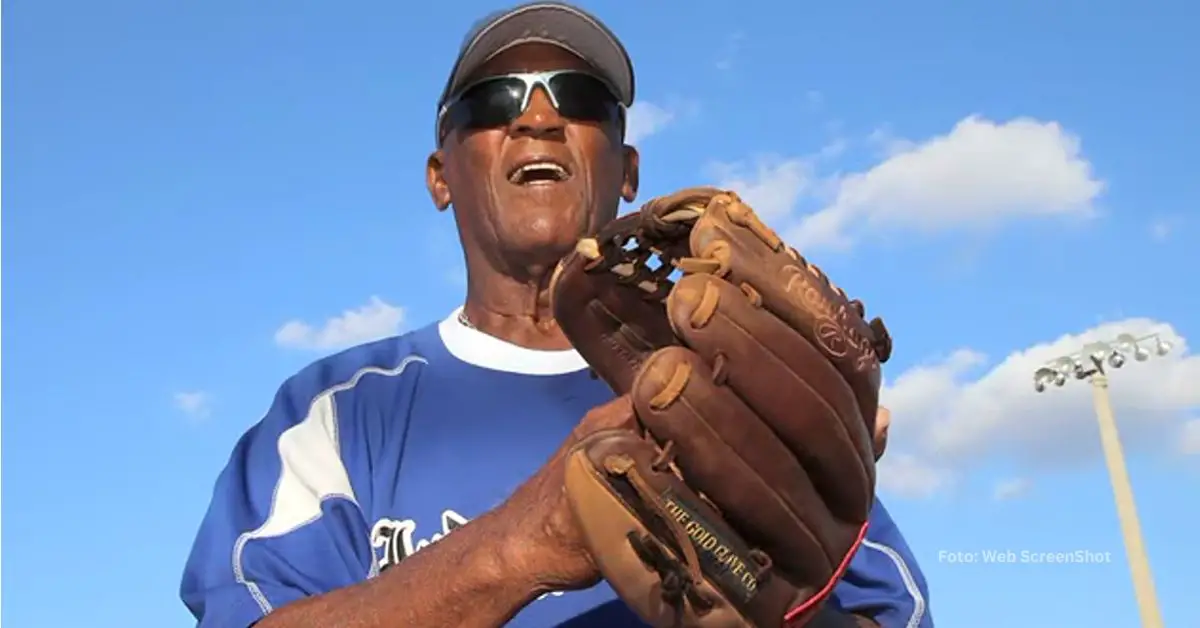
479,349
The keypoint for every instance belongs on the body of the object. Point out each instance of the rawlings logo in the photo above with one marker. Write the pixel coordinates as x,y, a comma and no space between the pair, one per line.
835,330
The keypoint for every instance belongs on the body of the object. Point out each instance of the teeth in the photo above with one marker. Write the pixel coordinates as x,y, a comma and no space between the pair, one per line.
558,171
544,165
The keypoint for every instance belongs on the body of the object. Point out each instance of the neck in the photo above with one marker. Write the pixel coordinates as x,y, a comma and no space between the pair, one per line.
514,310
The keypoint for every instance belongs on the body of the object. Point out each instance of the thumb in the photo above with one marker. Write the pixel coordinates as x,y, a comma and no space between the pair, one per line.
616,414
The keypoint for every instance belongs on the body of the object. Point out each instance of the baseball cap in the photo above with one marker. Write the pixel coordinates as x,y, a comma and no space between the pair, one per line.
549,22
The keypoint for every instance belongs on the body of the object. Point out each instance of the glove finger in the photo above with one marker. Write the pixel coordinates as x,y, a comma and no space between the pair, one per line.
753,256
719,444
786,382
598,296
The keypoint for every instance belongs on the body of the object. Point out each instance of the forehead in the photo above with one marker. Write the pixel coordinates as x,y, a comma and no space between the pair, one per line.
532,57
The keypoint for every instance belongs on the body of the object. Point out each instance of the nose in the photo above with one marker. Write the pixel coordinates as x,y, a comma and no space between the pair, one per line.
540,119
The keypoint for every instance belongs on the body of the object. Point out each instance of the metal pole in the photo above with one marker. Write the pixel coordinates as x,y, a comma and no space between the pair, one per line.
1131,530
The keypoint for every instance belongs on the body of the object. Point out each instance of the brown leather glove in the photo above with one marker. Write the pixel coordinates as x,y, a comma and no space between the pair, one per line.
741,494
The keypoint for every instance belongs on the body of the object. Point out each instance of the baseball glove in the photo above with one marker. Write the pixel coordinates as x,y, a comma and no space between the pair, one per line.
743,490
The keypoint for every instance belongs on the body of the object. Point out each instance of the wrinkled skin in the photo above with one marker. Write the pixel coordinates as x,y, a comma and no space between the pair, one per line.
513,235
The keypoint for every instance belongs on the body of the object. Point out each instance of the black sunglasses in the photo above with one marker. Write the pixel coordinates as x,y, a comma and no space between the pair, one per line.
498,100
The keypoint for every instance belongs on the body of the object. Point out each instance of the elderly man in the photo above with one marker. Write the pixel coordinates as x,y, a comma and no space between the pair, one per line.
328,510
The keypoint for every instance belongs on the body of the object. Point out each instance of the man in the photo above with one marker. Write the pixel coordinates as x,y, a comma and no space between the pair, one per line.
372,454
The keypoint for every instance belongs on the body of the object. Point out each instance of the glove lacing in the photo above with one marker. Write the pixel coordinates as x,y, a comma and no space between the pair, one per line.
679,578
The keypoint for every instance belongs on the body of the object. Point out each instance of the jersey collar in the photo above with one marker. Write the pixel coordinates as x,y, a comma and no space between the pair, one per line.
479,349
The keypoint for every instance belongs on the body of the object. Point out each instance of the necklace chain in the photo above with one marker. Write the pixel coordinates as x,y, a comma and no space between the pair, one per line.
466,322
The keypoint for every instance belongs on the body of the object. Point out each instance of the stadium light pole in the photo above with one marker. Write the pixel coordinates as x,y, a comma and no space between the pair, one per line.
1092,363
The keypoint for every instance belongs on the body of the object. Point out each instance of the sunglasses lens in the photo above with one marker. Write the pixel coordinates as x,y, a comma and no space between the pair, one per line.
487,104
497,102
584,97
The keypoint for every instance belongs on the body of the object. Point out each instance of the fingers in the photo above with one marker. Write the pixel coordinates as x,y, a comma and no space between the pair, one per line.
883,420
725,452
599,297
786,381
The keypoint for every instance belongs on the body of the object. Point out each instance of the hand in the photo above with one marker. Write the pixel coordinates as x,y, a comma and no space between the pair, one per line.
883,420
545,544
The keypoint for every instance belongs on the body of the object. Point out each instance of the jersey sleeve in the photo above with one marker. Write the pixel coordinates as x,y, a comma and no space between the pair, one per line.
284,521
884,580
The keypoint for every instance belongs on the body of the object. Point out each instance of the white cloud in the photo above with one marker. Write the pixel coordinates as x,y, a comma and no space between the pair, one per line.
1011,489
195,404
772,186
978,174
377,319
887,144
909,476
961,412
645,119
1189,438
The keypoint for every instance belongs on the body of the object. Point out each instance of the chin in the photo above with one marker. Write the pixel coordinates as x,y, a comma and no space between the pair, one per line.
546,210
543,222
546,245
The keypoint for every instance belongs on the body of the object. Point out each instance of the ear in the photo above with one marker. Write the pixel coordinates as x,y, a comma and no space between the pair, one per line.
435,180
629,186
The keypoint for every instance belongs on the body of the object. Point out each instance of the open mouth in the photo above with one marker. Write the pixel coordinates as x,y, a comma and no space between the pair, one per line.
542,171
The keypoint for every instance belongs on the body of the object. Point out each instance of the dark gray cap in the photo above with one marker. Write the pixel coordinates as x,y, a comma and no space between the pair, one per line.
548,22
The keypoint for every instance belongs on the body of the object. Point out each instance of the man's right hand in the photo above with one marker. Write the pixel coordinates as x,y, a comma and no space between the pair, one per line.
547,547
495,565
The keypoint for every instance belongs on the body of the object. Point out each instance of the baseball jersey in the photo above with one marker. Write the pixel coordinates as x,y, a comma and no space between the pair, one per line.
367,456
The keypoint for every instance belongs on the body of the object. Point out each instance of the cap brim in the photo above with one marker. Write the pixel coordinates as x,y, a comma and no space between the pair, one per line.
555,23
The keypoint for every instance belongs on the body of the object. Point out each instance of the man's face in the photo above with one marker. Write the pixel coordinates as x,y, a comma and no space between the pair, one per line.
525,191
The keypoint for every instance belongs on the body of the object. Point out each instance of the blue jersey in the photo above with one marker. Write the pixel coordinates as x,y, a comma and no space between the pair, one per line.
370,455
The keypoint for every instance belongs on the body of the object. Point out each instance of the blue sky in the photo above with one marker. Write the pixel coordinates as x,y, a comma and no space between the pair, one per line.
203,197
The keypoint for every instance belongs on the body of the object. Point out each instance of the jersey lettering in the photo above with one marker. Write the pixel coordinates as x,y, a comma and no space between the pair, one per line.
396,540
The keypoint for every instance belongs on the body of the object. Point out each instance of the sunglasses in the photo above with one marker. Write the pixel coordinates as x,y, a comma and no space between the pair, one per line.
498,100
